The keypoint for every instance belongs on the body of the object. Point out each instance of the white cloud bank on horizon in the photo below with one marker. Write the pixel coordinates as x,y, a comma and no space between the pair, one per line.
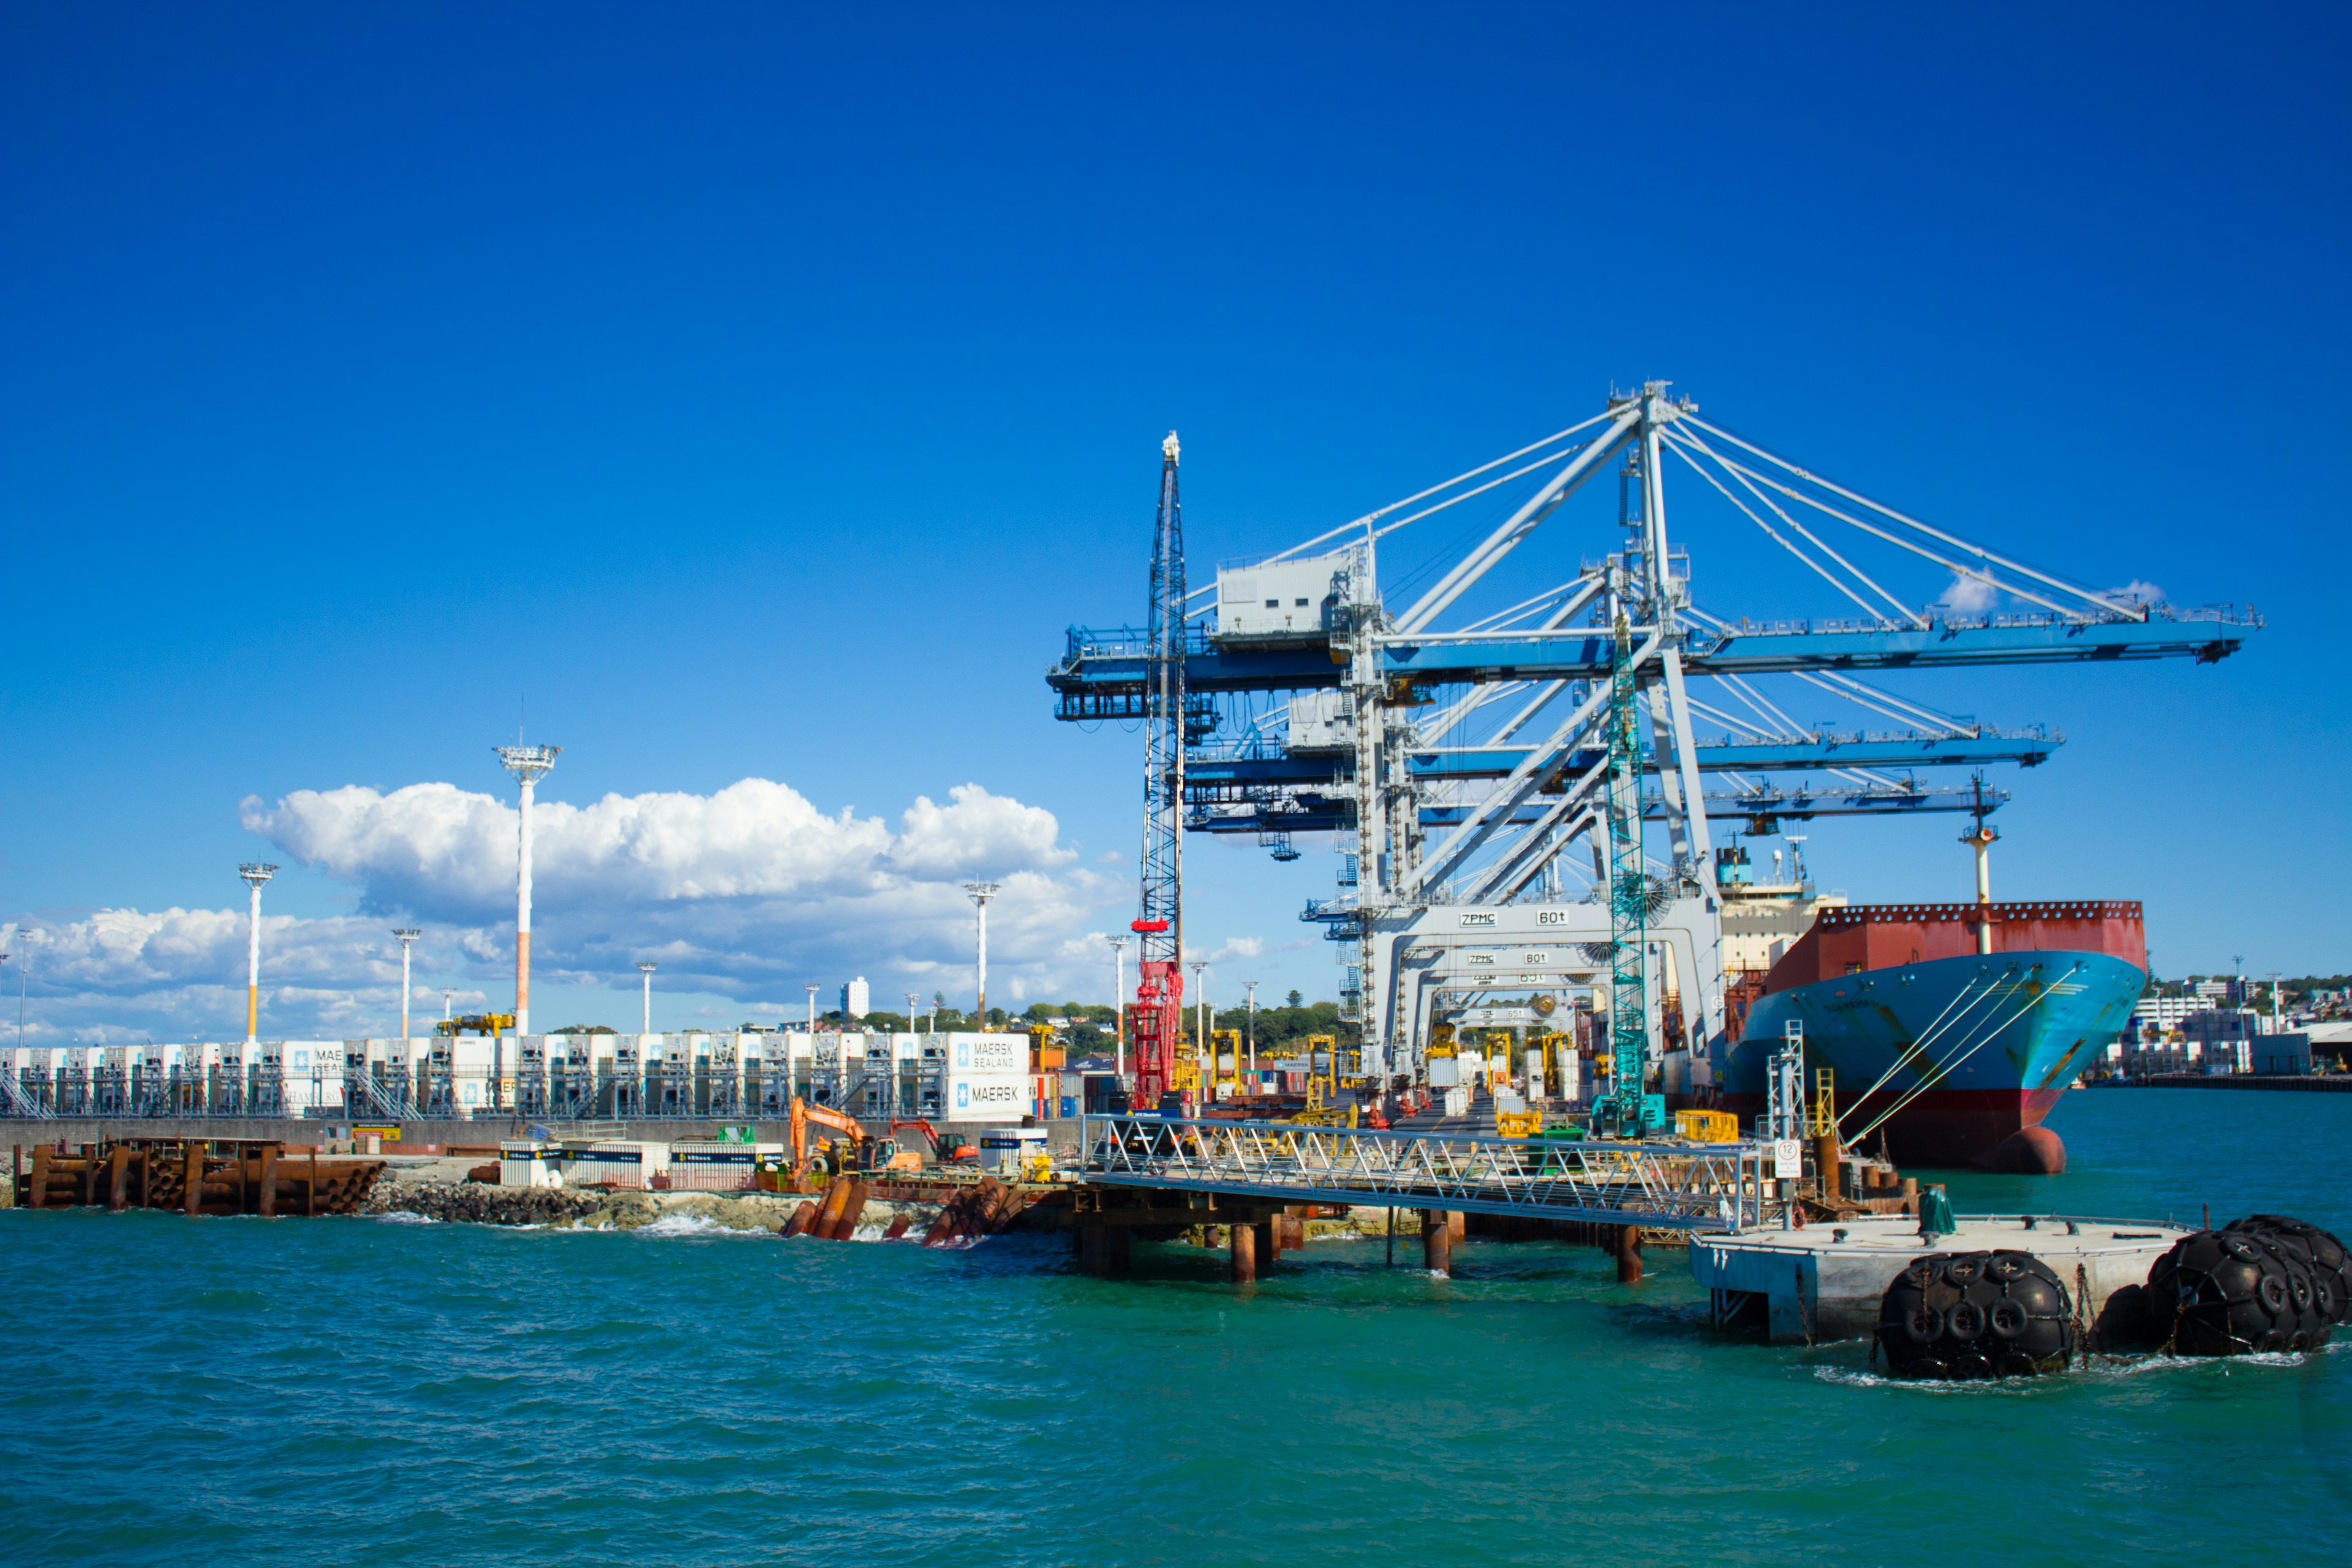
746,892
441,852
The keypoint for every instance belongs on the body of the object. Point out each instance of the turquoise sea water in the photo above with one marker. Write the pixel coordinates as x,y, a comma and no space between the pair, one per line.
340,1391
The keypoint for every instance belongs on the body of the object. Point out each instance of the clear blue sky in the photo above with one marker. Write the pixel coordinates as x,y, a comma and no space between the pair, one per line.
760,390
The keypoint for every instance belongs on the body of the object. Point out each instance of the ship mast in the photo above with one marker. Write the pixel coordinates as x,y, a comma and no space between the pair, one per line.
1980,838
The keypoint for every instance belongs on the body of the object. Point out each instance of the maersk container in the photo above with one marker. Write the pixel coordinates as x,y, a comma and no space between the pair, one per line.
698,1165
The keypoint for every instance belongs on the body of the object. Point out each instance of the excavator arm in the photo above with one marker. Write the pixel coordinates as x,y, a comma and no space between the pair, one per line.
803,1113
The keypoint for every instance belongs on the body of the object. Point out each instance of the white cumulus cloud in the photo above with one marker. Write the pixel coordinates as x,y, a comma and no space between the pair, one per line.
746,892
1967,594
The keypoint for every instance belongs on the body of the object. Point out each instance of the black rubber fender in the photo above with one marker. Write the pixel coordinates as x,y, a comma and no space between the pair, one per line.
1976,1315
2327,1258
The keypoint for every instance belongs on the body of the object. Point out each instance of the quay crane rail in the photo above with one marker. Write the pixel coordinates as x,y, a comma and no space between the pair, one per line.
1463,742
1707,1188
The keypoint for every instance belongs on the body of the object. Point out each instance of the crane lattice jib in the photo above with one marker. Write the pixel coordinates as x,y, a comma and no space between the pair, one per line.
1159,920
1628,892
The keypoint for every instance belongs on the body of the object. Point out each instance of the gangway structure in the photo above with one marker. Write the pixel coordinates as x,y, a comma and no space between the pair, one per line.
1452,731
1707,1188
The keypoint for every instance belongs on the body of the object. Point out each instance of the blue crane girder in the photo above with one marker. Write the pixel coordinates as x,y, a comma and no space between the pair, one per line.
2027,750
1101,677
1330,814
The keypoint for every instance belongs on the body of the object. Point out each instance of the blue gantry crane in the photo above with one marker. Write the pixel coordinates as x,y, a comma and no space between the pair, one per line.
1464,760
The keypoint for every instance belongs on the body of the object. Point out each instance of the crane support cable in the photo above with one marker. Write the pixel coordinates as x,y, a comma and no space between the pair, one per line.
1958,568
1732,722
1772,533
1525,519
1499,480
1886,702
1681,447
2088,595
1903,612
1527,607
1372,517
1912,616
1762,703
1870,778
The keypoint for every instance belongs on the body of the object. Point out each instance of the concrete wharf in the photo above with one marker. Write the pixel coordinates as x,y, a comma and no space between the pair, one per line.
1824,1281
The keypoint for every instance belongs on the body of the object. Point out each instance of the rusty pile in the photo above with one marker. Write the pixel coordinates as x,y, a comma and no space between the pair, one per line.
979,1209
193,1176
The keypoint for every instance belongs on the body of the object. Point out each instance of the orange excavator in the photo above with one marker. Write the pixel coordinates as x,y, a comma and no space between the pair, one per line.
803,1113
945,1146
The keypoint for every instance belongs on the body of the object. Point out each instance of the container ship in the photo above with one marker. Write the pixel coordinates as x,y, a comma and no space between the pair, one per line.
1950,1029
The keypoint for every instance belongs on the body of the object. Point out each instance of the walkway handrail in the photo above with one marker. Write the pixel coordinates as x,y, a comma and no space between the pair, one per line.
1665,1184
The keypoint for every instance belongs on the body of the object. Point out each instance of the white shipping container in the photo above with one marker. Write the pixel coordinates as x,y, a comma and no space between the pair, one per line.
620,1162
700,1167
526,1163
986,1077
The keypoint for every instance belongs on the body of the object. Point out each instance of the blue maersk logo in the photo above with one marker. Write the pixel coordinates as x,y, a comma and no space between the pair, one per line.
963,1096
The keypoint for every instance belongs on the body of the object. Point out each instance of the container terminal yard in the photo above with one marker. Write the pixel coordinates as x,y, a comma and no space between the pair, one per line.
1574,1003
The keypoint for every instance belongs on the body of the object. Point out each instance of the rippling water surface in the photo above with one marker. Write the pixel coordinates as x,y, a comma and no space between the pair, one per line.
292,1392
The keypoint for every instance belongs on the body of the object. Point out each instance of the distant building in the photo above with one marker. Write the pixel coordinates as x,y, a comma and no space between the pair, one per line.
856,1001
2282,1053
2154,1016
2226,1036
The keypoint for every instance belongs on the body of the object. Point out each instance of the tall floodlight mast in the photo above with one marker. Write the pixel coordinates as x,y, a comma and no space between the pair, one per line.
254,874
1251,986
529,764
1118,1003
645,1021
407,935
1159,920
979,893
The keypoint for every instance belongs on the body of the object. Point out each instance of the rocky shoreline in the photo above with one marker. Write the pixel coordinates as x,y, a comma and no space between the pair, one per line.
577,1208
